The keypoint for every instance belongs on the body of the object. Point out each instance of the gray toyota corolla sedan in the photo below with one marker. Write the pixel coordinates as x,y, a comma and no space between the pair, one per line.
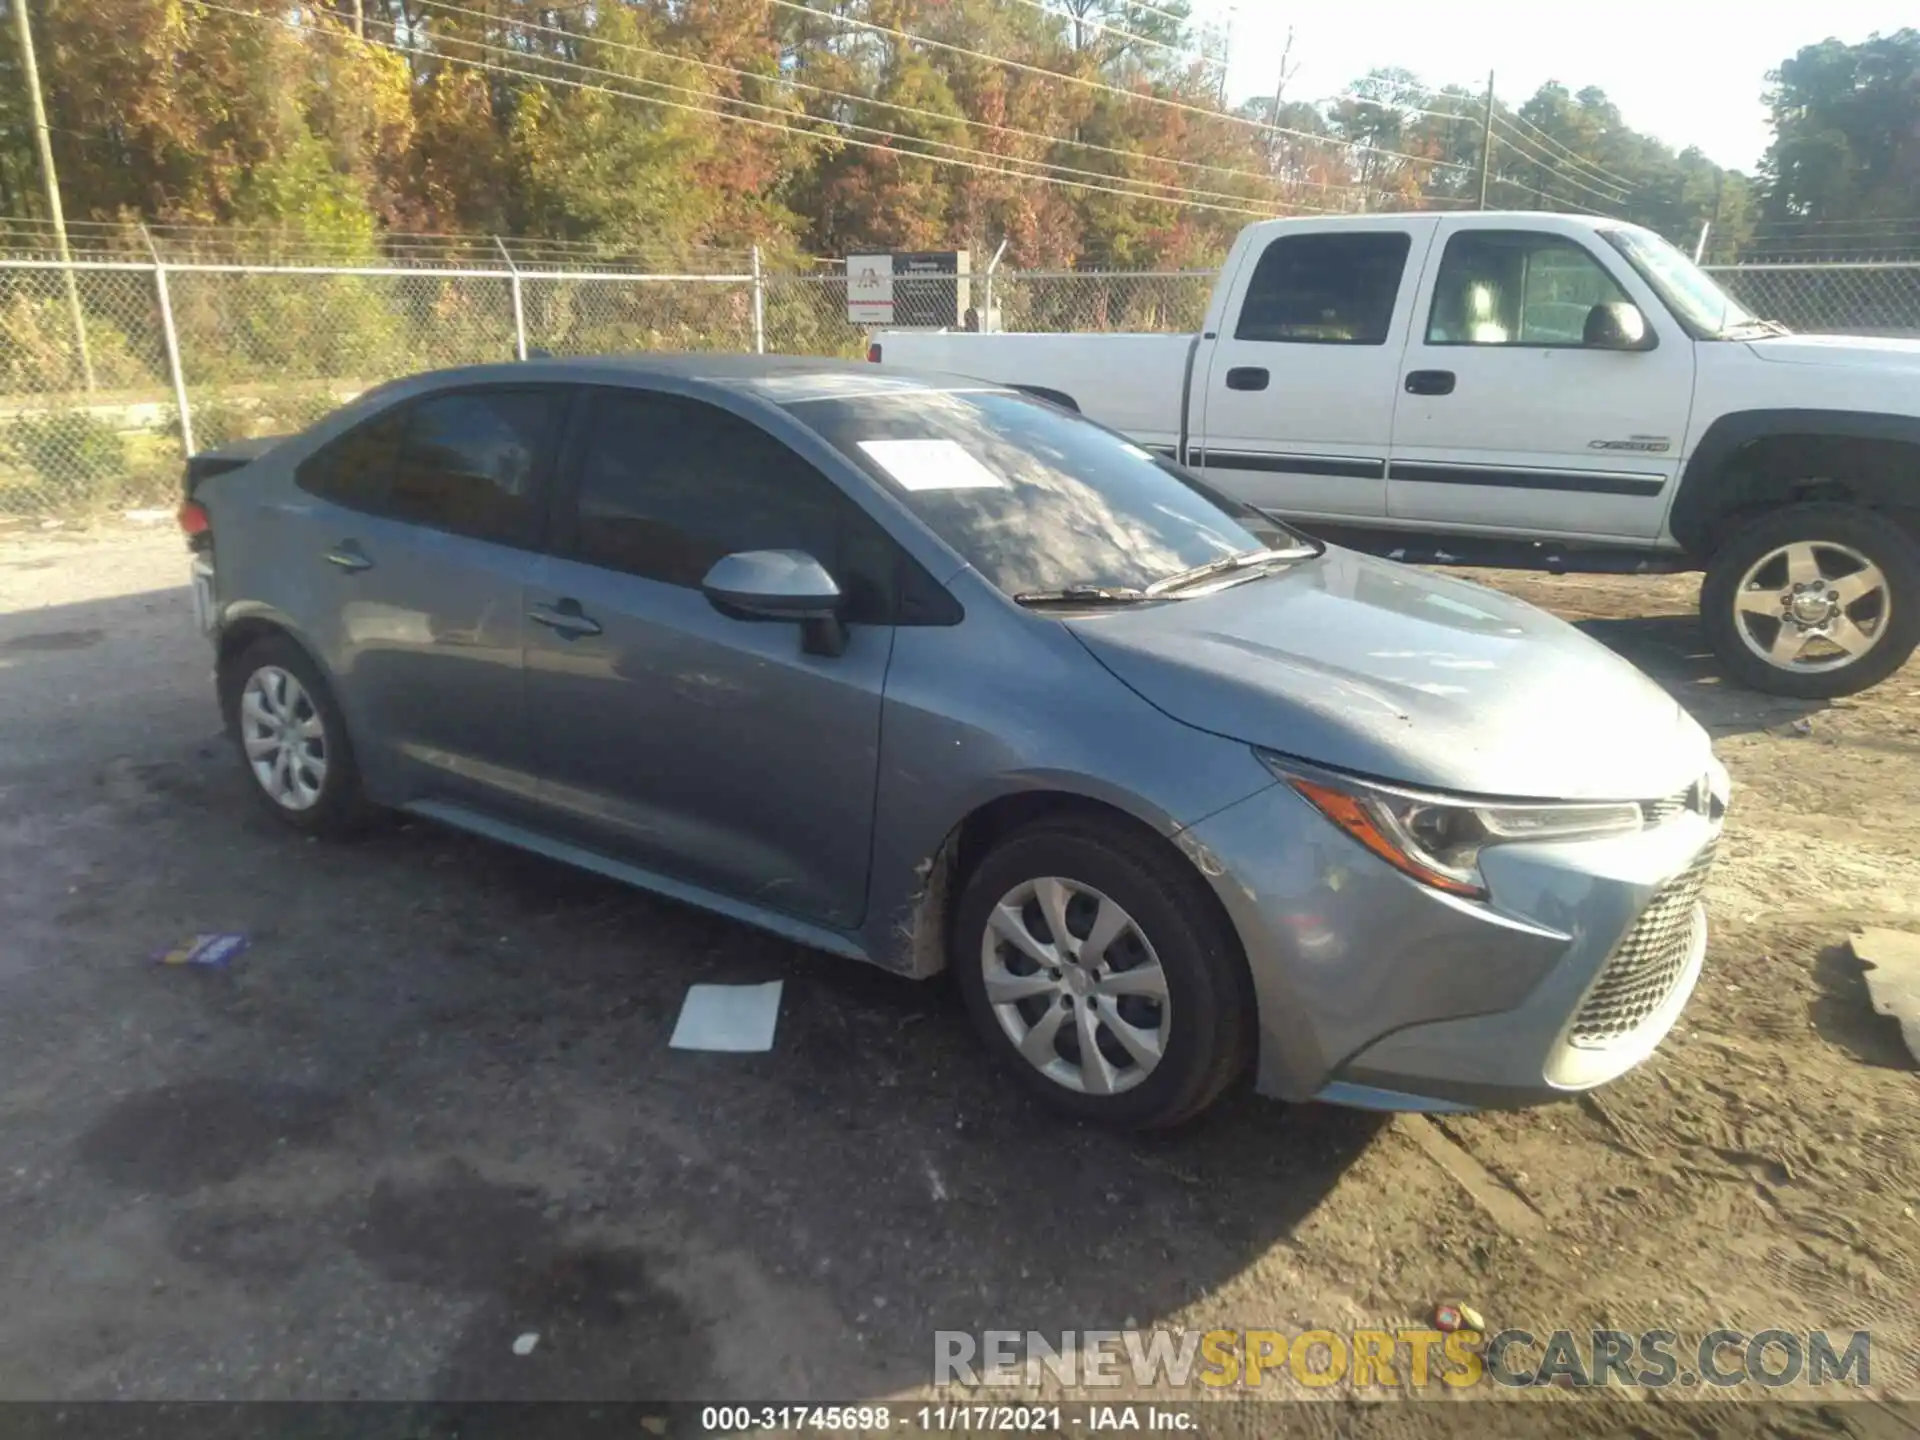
933,675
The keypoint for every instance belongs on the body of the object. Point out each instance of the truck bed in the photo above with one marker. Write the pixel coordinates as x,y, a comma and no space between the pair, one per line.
1134,383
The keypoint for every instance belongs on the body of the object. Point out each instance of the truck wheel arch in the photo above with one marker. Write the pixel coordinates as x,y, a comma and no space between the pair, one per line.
1753,460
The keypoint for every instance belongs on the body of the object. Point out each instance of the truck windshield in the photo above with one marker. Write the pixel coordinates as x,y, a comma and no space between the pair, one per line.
1039,501
1707,311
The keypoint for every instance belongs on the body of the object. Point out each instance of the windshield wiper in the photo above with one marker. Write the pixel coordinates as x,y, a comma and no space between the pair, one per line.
1766,327
1226,565
1083,595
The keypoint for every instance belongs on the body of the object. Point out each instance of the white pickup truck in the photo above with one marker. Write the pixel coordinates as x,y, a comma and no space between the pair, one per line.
1551,391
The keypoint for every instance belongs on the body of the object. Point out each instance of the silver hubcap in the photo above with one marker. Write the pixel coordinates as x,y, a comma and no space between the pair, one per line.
1076,986
1812,606
285,741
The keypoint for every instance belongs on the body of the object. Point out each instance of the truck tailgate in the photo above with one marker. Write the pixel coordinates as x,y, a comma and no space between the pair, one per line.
1133,383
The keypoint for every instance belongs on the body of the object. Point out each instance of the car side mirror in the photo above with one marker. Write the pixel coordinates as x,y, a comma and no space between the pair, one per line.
1618,325
780,585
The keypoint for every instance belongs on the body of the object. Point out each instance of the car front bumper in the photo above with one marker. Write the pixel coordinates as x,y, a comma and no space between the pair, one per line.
1375,990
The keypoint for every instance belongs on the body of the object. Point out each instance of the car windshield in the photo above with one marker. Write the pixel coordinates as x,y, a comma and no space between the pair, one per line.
1692,294
1038,500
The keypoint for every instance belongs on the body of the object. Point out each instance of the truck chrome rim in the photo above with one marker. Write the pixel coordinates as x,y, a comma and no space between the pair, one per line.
284,737
1812,606
1076,986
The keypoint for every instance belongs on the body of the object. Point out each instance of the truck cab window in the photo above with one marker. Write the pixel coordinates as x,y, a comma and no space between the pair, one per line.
1509,287
1326,289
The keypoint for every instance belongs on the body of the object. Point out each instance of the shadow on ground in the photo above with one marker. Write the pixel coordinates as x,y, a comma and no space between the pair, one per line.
1673,650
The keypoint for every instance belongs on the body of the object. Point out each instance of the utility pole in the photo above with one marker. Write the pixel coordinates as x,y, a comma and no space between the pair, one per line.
1226,53
360,18
1279,98
43,141
1486,143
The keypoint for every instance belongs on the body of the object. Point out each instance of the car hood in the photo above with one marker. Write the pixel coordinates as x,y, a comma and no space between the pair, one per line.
1392,672
1854,352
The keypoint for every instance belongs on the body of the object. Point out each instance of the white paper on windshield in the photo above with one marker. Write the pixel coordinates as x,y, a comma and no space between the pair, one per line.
932,465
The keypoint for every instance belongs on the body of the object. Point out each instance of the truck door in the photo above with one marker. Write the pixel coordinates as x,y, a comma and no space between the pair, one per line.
1294,410
1511,417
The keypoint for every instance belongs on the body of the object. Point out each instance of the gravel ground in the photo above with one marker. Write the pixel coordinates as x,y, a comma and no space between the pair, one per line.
431,1109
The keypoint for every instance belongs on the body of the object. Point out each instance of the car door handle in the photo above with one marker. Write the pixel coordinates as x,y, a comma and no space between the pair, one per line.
1246,377
565,619
1430,382
349,557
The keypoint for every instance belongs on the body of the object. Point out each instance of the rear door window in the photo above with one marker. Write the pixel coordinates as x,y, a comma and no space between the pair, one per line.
471,463
356,468
1334,289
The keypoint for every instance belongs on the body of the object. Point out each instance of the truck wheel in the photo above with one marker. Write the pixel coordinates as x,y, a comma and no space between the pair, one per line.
1813,601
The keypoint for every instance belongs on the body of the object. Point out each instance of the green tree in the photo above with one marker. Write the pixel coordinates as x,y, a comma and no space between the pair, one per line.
1846,122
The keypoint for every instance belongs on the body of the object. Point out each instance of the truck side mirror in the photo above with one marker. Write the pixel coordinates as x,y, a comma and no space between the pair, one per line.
1617,326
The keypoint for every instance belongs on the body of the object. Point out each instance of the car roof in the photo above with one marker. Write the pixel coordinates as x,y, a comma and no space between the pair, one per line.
1389,219
781,379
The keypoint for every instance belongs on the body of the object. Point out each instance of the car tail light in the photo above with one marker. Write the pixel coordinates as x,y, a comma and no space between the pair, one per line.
873,353
194,520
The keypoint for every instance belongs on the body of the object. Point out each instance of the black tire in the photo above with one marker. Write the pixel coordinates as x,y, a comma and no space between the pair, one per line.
1877,538
340,807
1210,1034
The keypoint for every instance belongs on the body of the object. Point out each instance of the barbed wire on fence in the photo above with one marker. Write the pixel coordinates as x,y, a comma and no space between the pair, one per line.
109,362
182,244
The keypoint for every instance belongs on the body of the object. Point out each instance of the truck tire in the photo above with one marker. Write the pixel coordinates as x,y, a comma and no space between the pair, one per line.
1813,601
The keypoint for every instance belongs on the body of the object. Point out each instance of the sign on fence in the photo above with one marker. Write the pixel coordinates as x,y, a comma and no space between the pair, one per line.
870,289
915,289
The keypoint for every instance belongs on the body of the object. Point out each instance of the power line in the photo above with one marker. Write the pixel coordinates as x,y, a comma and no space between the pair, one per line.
788,81
1096,25
1103,87
1400,108
814,136
1600,171
1268,178
1518,142
1512,137
1158,10
1569,151
1539,192
1178,193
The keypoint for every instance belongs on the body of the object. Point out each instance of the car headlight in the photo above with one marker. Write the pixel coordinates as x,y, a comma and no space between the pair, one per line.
1437,839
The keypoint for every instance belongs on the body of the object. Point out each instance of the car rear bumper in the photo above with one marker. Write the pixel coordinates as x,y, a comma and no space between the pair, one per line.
1374,990
201,576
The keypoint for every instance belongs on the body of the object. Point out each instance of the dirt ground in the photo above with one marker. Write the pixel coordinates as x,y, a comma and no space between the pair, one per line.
432,1107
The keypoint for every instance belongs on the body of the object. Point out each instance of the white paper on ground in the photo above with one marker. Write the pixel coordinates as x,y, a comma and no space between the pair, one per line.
738,1018
932,465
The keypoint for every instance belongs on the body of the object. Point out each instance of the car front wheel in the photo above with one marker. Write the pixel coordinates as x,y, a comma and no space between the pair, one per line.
1814,601
1103,974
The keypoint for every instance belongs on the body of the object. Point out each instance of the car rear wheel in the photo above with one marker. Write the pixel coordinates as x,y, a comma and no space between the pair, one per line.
1103,974
292,738
1813,601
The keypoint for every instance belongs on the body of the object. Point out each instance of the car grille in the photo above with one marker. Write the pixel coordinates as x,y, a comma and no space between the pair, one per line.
1645,966
1658,812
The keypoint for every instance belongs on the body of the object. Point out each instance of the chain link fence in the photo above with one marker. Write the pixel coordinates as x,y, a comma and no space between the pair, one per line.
1841,297
111,368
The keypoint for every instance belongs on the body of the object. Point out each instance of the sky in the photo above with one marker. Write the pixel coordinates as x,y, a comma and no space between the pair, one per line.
1690,72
